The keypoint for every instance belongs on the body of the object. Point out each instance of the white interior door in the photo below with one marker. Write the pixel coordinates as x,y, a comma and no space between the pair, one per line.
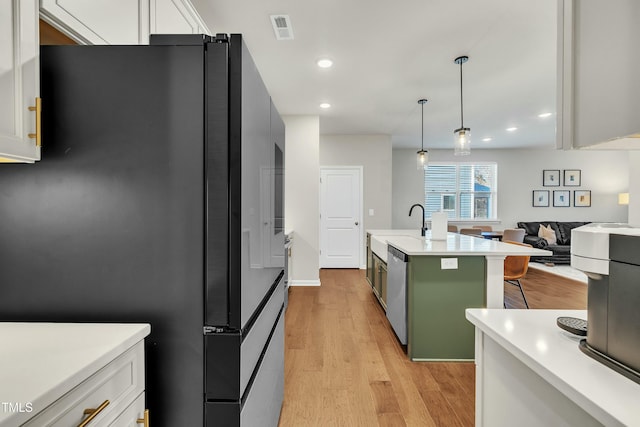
340,217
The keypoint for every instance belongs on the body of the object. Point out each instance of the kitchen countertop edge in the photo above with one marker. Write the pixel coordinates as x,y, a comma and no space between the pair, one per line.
553,354
74,358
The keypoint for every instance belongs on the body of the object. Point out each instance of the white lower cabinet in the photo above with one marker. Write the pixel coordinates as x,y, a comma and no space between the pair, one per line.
115,393
134,416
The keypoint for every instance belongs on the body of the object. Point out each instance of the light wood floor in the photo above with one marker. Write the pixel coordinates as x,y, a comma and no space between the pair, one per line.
544,290
345,367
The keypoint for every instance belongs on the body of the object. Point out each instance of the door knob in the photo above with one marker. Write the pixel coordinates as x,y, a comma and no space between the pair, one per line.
356,222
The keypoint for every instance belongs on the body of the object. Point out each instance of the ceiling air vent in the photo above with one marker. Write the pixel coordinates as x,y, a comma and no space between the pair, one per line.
282,27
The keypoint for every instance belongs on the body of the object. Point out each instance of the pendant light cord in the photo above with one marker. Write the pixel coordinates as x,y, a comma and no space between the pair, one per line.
422,129
461,103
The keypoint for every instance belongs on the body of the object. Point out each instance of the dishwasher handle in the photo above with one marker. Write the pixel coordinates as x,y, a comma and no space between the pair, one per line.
396,253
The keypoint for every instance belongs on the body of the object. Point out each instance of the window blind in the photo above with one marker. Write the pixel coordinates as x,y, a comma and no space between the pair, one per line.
466,191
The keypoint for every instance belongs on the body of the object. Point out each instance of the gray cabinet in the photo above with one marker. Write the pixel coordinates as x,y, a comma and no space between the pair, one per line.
598,87
369,260
376,274
382,278
379,280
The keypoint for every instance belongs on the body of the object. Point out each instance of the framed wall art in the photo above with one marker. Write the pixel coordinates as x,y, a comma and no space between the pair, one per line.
561,198
540,198
551,178
572,177
582,198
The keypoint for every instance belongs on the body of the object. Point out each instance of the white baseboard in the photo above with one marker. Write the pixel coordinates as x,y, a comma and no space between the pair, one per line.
304,282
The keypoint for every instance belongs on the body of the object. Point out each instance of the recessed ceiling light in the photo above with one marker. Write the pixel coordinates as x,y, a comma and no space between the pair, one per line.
544,115
325,105
512,129
486,139
324,63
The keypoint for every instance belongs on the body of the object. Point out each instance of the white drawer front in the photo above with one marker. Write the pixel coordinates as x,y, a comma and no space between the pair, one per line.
120,382
130,416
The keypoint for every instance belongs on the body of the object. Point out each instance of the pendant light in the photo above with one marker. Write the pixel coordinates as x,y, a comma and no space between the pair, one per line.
423,155
462,141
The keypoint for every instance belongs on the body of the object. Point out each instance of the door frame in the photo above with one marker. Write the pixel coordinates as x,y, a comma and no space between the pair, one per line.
361,253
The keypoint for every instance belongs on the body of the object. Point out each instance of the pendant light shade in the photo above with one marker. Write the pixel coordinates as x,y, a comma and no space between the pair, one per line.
462,143
423,158
423,155
462,135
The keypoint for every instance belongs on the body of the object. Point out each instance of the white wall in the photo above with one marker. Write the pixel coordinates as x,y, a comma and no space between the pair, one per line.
407,189
634,188
605,173
373,153
302,194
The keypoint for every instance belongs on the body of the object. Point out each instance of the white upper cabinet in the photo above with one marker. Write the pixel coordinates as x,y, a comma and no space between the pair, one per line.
87,22
121,21
175,17
19,80
598,83
99,21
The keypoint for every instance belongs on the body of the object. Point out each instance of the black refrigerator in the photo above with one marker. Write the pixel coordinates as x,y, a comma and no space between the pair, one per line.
159,199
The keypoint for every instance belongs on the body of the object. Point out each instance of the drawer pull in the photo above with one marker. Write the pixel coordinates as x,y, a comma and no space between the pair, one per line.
93,413
144,421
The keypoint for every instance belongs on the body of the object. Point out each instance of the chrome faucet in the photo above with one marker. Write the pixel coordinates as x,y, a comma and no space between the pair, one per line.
424,228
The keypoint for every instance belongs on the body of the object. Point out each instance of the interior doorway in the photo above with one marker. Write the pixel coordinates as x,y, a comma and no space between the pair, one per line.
341,228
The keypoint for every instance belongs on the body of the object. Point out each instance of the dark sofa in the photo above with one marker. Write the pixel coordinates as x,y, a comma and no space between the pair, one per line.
561,250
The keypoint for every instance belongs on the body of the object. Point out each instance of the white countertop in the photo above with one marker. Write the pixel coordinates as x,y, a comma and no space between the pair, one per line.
457,244
533,337
379,239
39,362
399,232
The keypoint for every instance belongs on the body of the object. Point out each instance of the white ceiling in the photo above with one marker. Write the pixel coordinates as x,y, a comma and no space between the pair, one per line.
387,55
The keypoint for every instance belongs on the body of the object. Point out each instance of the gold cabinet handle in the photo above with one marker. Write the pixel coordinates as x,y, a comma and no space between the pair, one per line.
144,421
93,413
38,109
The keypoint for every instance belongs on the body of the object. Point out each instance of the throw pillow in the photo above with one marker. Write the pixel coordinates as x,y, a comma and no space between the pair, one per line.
547,234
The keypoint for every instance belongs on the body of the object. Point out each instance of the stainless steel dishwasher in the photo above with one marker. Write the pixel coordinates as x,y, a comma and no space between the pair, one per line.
397,292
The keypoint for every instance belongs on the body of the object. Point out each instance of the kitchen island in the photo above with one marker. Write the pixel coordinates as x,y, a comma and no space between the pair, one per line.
58,371
377,260
443,278
531,373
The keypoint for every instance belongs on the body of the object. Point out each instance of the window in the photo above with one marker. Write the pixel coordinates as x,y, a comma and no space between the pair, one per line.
448,202
465,191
